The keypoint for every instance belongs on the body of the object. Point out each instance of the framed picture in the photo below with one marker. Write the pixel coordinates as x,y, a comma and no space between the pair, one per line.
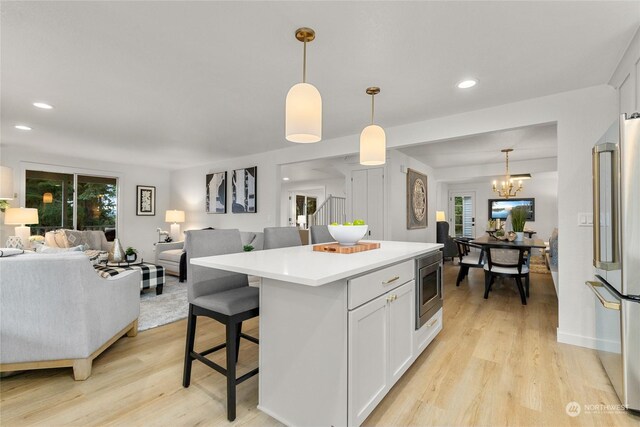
145,200
244,186
416,200
216,193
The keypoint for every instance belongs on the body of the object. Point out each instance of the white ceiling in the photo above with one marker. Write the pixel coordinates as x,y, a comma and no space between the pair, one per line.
181,83
528,143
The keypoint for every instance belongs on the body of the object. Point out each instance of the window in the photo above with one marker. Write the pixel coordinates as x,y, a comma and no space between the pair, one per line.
93,206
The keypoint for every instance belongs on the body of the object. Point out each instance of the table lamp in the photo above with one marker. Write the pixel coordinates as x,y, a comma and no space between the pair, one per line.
175,217
20,217
440,216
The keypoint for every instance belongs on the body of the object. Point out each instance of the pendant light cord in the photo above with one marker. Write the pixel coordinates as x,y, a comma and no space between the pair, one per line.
372,98
304,63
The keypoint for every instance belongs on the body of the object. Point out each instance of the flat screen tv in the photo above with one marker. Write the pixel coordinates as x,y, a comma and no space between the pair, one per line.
499,208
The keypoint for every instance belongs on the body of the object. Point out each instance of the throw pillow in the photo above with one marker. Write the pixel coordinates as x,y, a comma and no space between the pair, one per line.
5,252
76,238
56,238
14,242
52,250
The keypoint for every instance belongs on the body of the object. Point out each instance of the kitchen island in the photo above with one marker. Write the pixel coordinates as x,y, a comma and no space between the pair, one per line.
336,330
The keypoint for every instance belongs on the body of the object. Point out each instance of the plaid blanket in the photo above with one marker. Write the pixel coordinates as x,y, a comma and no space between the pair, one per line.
152,275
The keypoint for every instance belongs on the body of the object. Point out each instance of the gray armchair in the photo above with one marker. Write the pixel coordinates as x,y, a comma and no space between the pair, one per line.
450,249
56,311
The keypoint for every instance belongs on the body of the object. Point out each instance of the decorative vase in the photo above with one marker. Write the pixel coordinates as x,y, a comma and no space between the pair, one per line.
116,254
519,236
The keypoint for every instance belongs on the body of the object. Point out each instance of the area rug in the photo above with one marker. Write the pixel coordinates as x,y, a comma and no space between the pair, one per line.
158,310
537,265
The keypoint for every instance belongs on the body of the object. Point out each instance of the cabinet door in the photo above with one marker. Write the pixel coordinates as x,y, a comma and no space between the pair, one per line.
401,327
368,358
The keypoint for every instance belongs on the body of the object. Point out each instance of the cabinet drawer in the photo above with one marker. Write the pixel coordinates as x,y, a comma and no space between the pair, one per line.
371,285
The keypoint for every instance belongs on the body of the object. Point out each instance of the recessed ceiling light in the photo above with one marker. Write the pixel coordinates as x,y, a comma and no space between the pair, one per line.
286,178
43,105
22,127
466,84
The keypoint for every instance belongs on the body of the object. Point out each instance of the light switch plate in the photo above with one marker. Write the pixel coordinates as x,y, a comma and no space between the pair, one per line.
585,219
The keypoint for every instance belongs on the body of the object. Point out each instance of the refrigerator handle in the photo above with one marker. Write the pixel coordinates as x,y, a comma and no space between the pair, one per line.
611,305
614,264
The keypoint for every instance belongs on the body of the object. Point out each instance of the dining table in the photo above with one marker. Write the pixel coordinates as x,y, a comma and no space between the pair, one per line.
487,241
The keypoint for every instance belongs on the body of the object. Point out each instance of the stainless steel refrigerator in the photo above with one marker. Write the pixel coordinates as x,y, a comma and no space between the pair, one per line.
616,255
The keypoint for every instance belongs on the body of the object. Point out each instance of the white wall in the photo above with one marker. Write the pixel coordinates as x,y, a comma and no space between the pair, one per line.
396,174
543,187
137,231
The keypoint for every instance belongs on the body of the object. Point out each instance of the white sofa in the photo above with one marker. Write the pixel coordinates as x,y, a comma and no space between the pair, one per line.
55,311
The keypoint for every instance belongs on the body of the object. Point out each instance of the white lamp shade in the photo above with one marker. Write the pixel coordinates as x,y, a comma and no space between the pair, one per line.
174,216
302,219
18,216
440,216
303,116
373,146
6,183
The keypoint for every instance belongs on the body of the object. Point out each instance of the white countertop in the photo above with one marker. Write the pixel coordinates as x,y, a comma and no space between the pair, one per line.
302,265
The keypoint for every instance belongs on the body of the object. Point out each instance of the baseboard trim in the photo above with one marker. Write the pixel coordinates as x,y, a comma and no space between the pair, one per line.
587,342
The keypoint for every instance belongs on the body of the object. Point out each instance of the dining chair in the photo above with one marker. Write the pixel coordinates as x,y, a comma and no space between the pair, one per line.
281,237
222,296
510,263
320,234
468,259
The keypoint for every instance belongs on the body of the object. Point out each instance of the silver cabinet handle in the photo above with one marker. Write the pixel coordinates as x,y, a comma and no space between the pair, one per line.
393,279
611,305
432,322
614,264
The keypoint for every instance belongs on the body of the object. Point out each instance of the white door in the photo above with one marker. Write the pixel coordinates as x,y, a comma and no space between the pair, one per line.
367,200
401,327
368,358
462,214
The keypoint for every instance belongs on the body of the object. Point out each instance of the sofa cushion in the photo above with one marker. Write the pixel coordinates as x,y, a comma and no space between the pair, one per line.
172,255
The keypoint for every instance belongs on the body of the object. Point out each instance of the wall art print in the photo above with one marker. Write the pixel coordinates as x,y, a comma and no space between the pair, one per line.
244,186
216,201
416,200
145,200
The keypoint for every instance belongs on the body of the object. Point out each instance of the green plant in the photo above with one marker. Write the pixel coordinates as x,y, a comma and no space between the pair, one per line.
247,248
130,251
518,218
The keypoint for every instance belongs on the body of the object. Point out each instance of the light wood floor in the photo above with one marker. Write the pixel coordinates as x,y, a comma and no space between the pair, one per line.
495,363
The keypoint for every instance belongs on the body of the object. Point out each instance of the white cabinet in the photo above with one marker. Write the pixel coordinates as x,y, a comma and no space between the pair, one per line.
380,348
401,325
368,358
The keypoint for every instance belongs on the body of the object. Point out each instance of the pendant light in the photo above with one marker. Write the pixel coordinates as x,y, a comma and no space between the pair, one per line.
303,116
373,141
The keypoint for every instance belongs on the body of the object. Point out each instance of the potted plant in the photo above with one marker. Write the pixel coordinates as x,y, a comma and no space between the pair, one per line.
130,255
518,218
247,248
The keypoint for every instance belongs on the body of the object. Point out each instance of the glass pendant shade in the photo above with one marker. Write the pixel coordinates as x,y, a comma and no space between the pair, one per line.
373,143
303,116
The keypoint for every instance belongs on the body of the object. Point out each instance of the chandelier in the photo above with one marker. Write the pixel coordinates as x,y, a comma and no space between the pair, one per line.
507,188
